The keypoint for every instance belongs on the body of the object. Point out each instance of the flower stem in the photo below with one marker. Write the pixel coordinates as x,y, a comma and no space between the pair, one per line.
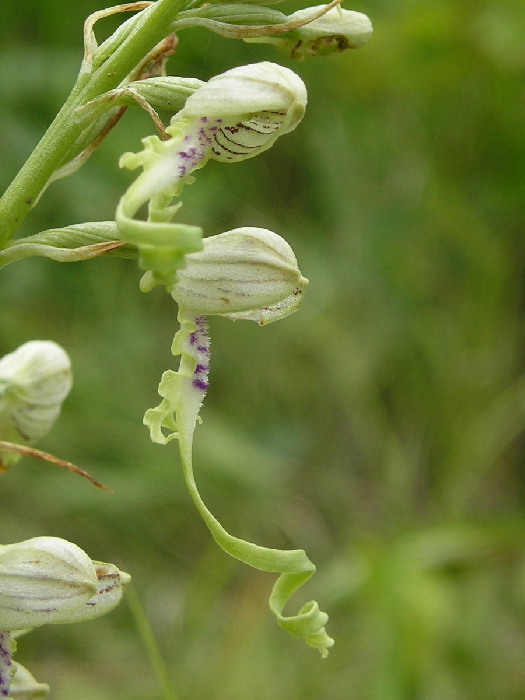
152,25
150,645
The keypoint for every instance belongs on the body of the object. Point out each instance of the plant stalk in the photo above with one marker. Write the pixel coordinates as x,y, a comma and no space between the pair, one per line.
152,26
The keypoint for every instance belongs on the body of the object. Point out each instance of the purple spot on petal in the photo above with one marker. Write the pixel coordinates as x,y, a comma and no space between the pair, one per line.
200,384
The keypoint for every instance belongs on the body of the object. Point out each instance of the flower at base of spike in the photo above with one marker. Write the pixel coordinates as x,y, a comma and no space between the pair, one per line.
232,117
34,381
337,30
49,580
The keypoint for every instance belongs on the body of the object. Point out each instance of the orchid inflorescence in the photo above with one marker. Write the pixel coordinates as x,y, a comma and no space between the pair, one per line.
246,273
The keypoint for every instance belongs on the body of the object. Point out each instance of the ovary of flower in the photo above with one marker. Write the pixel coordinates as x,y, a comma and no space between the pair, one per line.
34,381
49,580
234,116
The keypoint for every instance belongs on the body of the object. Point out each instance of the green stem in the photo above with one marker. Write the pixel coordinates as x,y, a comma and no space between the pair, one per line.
150,644
151,27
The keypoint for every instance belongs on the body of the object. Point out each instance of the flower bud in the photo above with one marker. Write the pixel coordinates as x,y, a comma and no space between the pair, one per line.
34,381
355,27
333,32
49,580
246,273
247,108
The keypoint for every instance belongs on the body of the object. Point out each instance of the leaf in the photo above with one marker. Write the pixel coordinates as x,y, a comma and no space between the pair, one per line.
70,244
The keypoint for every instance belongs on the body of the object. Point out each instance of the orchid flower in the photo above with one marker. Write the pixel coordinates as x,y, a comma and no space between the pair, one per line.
247,273
333,32
34,382
234,116
241,274
49,580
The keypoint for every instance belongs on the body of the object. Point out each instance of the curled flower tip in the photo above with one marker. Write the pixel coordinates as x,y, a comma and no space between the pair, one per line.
49,580
247,273
34,381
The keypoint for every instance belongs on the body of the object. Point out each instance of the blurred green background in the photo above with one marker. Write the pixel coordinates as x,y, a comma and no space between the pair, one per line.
380,428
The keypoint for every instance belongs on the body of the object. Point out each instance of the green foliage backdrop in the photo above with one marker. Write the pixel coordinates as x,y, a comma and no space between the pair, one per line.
380,428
